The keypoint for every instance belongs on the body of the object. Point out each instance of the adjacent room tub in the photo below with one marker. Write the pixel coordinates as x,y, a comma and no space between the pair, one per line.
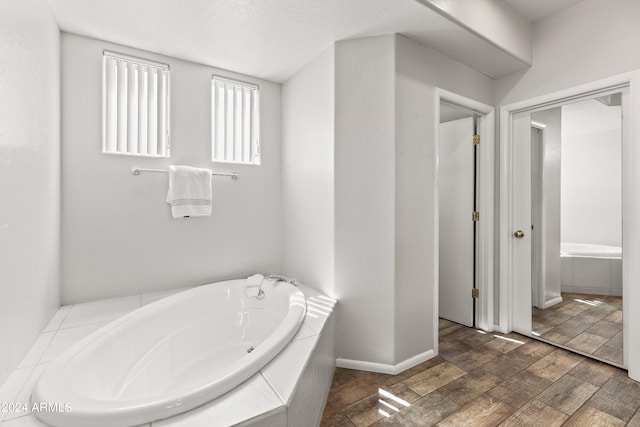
591,269
170,356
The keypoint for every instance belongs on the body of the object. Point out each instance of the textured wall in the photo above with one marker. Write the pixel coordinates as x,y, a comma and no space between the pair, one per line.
29,175
385,175
592,173
589,41
307,173
118,237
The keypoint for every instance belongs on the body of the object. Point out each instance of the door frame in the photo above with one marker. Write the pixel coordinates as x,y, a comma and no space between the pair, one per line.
485,229
536,233
630,206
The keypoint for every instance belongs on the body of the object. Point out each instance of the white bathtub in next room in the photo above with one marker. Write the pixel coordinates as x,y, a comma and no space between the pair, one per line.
591,269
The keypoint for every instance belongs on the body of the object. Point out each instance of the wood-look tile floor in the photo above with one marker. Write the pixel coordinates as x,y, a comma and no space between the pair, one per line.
591,324
487,379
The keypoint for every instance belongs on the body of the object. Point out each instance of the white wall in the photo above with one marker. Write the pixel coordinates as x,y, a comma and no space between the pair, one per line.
492,20
29,175
591,173
308,173
365,198
419,70
584,43
118,237
551,201
385,171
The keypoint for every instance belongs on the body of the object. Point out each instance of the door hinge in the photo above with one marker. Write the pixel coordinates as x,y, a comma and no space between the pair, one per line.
475,293
476,139
475,216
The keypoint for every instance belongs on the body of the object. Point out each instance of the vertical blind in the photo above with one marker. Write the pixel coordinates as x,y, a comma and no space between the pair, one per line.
235,124
135,106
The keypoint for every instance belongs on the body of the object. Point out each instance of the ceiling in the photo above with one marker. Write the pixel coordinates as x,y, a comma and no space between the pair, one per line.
536,10
274,39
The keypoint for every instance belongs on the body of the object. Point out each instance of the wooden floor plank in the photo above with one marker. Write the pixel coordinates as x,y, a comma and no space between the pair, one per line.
484,411
481,380
535,413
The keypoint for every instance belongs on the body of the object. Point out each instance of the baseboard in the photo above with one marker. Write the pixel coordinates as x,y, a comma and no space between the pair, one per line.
552,302
499,329
586,290
383,368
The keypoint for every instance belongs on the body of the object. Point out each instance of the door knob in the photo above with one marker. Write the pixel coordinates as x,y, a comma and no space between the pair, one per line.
518,234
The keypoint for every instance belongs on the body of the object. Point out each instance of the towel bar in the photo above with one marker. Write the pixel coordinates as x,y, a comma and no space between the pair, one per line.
137,170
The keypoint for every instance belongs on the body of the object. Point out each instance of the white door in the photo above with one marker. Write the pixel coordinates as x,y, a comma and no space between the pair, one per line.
456,196
520,236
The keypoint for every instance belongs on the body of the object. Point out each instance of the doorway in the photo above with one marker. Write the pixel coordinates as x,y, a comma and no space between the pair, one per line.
457,179
515,214
464,208
576,231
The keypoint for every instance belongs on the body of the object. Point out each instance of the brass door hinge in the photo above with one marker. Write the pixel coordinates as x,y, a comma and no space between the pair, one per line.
476,139
475,293
475,216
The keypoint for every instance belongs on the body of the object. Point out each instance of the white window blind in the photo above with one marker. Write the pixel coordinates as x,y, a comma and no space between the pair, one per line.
135,118
235,121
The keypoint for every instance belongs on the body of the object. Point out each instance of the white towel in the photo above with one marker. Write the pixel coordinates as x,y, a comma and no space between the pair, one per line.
189,191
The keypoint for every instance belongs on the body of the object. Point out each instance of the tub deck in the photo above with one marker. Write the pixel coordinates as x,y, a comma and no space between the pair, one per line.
273,395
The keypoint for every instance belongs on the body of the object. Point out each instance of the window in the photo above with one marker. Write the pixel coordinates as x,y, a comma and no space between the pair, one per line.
135,111
235,124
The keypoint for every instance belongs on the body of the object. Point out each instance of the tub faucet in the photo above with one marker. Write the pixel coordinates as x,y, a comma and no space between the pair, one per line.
253,286
281,278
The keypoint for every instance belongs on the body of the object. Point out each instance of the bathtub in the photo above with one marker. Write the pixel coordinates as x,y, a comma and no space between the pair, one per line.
591,269
588,250
170,356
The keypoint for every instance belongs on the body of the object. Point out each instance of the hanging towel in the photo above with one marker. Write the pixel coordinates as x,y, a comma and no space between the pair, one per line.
189,191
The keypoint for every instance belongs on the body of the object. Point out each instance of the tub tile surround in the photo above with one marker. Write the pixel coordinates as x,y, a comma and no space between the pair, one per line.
58,318
598,276
24,394
69,325
296,380
65,338
254,399
276,373
37,350
100,311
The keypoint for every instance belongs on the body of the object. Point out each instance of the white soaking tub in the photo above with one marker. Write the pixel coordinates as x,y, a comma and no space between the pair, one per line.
170,356
591,269
588,250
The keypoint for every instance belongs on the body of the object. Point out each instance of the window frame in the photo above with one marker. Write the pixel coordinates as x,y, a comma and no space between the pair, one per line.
253,91
166,108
